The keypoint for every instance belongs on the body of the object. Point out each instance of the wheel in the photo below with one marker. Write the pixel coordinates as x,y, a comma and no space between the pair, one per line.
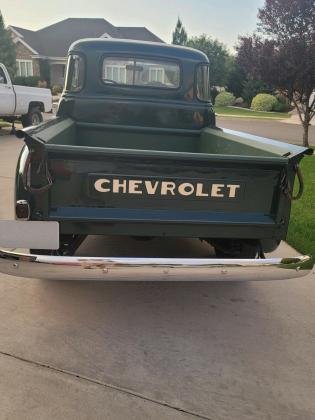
237,248
68,245
34,117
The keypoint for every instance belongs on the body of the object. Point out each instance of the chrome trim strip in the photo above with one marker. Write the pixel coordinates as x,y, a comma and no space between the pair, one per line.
151,269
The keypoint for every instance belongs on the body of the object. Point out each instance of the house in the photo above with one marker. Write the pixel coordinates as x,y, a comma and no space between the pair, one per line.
48,47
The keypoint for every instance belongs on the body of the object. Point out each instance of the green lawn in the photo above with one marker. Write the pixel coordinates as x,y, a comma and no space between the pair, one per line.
244,112
4,124
302,223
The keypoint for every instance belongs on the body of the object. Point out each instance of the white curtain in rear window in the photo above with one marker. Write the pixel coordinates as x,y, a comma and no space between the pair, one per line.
141,72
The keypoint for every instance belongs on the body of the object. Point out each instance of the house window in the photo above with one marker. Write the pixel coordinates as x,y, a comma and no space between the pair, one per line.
24,68
141,72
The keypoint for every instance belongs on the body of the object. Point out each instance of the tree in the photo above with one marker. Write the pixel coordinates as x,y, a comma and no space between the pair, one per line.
236,77
7,49
218,57
287,19
284,56
180,34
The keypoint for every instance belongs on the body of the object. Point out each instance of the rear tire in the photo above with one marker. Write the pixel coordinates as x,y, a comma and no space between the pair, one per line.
34,117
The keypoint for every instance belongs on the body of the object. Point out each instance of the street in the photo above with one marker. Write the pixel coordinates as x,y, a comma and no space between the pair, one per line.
153,350
273,129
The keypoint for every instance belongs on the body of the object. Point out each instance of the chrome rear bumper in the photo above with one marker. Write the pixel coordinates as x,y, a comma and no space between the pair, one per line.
149,269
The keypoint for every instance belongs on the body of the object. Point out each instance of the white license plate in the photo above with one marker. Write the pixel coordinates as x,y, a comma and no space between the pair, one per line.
29,234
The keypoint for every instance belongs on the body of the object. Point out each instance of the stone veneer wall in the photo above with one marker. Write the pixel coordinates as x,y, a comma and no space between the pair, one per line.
23,53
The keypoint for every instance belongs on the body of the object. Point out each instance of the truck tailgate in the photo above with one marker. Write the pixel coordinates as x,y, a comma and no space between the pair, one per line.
116,185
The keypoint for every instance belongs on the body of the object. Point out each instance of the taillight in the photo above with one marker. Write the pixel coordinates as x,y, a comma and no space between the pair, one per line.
22,210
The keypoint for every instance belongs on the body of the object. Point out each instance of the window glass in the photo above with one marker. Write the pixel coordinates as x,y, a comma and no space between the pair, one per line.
3,79
24,68
29,68
75,73
203,83
118,71
141,72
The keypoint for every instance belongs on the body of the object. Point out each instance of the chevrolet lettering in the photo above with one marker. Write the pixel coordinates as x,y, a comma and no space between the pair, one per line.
135,151
167,188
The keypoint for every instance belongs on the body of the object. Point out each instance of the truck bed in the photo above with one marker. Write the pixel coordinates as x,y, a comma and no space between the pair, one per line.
156,182
207,141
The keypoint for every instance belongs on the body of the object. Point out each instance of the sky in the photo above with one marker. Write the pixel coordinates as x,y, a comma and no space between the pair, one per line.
221,19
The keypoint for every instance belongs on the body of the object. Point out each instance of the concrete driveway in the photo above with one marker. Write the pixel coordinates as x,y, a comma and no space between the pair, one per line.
152,350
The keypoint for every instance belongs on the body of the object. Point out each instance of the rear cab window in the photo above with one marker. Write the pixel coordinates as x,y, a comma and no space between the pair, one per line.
141,72
203,83
75,73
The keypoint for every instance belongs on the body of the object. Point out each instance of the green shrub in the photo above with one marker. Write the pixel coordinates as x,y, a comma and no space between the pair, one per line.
251,88
56,89
239,101
263,102
31,81
42,84
282,105
225,99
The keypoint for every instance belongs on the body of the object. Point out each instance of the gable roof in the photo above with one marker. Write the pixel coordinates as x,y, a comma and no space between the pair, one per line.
137,33
55,40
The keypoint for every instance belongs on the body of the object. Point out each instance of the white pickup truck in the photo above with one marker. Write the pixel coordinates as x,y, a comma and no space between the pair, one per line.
22,102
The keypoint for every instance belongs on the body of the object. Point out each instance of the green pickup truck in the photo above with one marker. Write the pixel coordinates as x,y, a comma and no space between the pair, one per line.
134,150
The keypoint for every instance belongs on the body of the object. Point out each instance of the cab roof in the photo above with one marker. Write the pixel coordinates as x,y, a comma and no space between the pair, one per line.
130,47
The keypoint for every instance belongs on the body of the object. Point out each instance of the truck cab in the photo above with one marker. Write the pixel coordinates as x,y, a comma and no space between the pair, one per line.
137,83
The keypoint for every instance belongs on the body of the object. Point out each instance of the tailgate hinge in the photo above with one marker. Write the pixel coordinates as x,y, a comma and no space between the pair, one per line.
36,156
287,188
